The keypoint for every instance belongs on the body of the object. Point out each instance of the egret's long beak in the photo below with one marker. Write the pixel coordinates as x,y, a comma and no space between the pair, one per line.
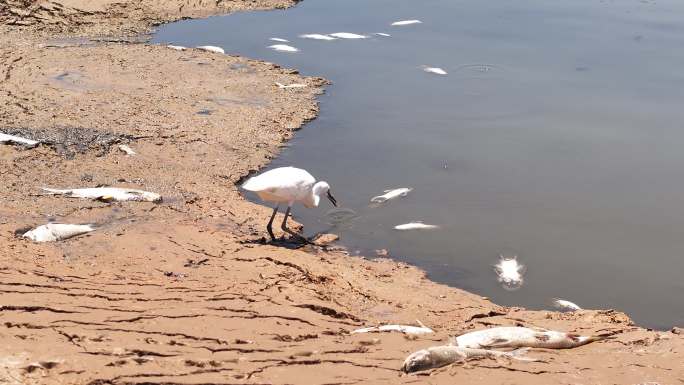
332,199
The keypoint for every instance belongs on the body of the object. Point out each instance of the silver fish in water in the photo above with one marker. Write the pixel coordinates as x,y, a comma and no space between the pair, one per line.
391,194
415,226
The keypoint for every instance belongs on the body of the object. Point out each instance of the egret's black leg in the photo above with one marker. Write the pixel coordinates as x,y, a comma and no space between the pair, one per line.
285,229
269,227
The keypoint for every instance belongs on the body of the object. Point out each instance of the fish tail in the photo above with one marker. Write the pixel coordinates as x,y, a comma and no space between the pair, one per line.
379,199
519,354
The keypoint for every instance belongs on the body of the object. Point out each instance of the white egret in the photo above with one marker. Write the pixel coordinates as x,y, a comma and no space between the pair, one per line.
288,185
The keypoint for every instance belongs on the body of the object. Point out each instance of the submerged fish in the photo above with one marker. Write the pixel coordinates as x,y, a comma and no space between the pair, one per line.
11,139
176,47
293,85
518,337
317,36
565,305
279,39
126,149
391,194
107,194
438,356
283,48
434,70
415,226
406,22
211,48
510,272
411,330
348,35
57,232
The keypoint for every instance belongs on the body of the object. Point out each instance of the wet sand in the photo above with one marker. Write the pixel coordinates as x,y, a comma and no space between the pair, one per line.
186,291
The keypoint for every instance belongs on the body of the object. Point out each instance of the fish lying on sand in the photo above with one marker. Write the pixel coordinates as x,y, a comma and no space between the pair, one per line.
317,36
391,194
279,39
293,85
56,232
510,272
406,22
415,226
434,70
107,194
124,148
283,48
519,337
211,48
565,305
11,139
438,356
176,47
348,35
406,329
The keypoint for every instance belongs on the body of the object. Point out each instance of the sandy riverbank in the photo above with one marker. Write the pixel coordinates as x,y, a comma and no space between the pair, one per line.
184,292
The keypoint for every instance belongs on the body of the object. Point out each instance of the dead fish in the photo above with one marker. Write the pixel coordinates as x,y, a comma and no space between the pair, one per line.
382,34
11,139
415,226
107,194
518,337
279,39
565,305
510,272
406,329
56,232
406,22
293,85
211,48
176,47
283,48
438,356
317,36
126,149
434,70
348,35
391,194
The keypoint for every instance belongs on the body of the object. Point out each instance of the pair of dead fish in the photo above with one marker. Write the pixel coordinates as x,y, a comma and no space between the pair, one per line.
11,139
107,194
480,344
52,232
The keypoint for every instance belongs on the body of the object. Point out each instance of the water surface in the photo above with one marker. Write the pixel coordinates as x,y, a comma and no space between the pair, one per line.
557,136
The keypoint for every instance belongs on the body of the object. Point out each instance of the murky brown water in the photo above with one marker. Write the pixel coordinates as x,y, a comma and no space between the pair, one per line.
556,136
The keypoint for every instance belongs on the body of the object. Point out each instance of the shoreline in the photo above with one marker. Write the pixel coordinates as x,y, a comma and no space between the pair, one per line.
185,291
